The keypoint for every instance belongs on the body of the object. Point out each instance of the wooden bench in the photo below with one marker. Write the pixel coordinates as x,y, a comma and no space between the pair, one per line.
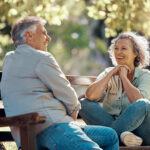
27,122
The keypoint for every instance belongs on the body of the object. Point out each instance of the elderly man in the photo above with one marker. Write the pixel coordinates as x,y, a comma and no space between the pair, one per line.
32,81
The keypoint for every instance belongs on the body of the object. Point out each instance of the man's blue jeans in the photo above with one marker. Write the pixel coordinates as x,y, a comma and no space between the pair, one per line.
135,118
69,136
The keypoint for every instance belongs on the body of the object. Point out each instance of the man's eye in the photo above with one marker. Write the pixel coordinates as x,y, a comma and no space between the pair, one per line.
116,48
124,48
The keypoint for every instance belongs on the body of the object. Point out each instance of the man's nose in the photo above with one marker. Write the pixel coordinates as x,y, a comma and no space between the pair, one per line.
48,38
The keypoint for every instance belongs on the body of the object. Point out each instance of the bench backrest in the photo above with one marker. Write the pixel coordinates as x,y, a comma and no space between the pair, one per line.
81,80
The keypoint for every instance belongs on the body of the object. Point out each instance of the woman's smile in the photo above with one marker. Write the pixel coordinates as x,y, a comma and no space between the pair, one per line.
123,52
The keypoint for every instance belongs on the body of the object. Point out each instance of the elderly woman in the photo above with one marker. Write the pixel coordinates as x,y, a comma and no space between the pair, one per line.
124,90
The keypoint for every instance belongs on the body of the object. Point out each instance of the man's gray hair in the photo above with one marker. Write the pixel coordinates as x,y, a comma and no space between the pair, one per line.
140,48
19,29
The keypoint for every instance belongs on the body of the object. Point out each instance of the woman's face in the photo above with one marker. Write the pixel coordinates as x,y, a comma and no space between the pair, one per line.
123,52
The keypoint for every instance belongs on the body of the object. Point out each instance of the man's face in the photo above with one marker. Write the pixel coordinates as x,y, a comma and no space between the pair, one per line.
39,40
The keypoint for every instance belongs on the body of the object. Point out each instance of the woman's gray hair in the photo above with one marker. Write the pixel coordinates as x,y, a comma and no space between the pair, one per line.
19,29
140,48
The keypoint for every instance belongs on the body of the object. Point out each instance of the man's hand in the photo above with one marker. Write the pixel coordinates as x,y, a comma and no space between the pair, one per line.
74,115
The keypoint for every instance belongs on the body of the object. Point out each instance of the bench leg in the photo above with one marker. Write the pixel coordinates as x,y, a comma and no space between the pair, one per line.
2,146
28,138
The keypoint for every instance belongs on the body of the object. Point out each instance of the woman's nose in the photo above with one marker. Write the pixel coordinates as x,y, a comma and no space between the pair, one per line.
119,50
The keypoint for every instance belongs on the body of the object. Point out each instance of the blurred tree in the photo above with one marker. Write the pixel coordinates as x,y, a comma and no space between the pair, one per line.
67,40
54,11
77,30
121,15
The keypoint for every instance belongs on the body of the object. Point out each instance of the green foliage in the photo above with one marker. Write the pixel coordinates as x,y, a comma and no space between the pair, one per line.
76,35
122,15
67,42
51,10
119,15
101,45
54,11
60,52
70,35
4,39
70,41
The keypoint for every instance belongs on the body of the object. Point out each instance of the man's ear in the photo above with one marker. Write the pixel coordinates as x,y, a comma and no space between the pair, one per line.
28,35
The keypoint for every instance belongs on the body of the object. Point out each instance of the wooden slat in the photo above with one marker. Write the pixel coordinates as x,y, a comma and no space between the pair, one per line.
2,112
135,148
28,138
81,80
22,120
5,136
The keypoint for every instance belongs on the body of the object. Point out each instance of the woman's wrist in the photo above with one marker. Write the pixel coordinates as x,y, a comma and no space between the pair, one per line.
123,78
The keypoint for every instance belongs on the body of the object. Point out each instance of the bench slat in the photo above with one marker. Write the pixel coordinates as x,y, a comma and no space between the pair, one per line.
22,120
135,148
81,80
5,136
2,112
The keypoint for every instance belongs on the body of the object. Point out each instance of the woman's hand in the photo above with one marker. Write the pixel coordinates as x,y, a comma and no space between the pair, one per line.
120,70
96,89
126,77
123,71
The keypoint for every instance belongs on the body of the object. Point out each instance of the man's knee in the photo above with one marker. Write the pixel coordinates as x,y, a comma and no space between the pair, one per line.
84,101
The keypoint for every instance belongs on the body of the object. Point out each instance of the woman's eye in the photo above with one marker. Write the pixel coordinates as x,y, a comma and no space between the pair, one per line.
124,48
116,48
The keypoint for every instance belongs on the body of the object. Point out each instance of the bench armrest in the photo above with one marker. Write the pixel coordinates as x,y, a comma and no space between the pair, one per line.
81,80
22,120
